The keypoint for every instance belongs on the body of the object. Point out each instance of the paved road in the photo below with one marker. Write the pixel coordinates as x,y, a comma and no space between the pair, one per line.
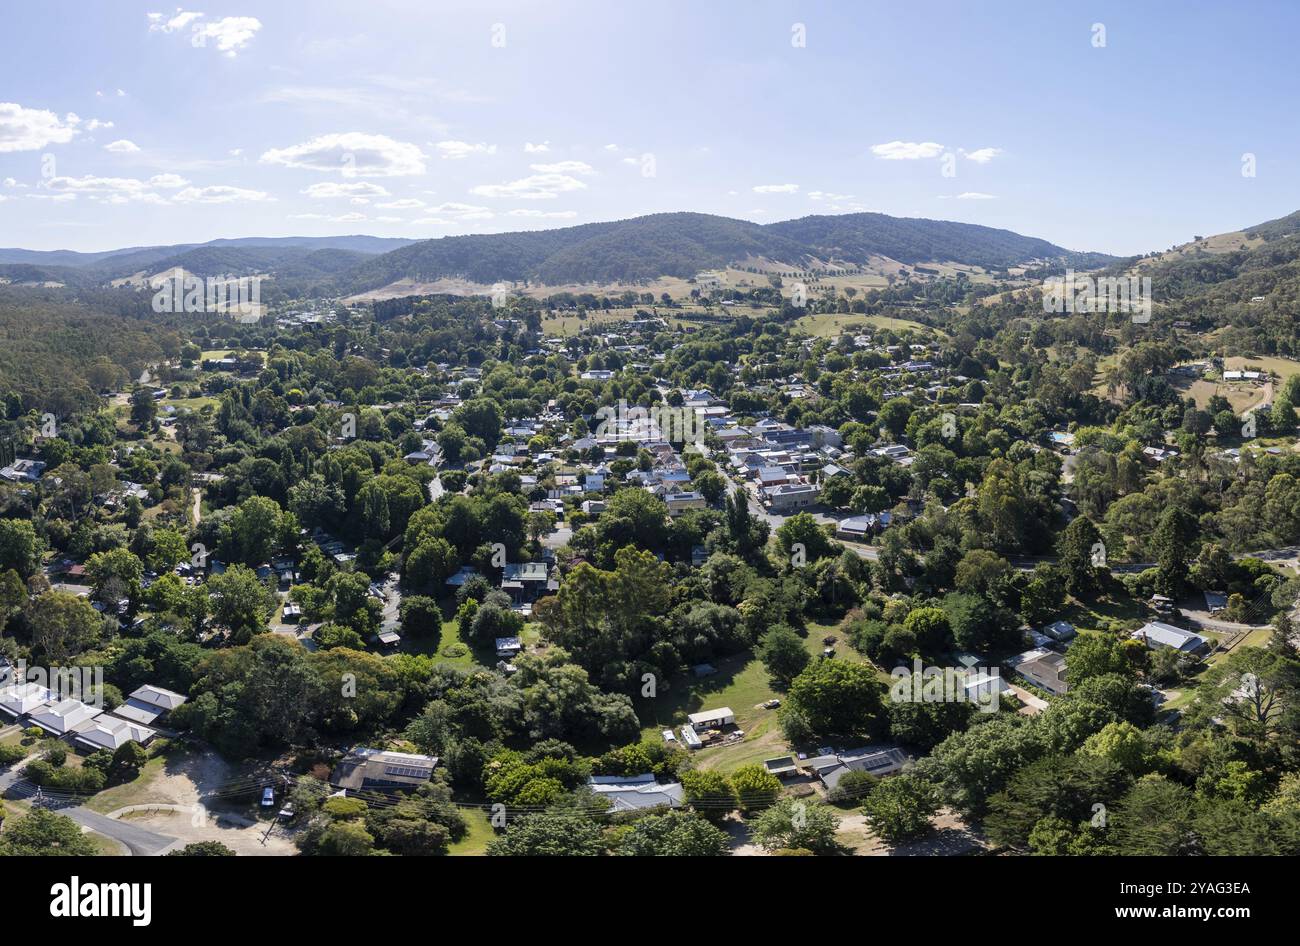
137,840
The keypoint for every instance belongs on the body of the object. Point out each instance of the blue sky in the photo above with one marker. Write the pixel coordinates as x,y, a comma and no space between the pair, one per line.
130,124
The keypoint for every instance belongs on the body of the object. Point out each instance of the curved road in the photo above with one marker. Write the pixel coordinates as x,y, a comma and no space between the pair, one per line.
137,840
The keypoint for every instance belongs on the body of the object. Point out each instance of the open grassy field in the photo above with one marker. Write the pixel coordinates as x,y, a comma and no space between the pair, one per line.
1282,367
742,683
829,325
480,832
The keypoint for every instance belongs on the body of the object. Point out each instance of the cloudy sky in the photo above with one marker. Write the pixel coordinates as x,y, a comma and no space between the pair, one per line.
1091,124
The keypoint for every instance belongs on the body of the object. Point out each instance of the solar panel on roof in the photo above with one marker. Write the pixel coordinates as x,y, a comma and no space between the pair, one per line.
407,771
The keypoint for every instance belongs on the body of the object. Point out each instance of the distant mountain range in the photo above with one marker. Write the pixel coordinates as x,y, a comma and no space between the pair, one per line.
622,251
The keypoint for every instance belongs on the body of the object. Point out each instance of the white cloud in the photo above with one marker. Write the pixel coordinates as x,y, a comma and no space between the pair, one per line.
564,167
235,152
776,189
353,154
118,188
544,215
455,150
826,195
388,219
122,146
536,187
159,23
330,189
232,33
530,148
983,155
229,34
404,203
611,147
341,218
462,211
969,195
28,129
220,194
907,150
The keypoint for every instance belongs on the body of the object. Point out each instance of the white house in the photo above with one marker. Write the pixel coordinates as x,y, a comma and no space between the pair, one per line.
64,716
1159,634
109,732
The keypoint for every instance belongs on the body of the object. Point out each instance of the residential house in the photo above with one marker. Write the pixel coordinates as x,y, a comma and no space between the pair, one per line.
1045,670
378,770
60,717
1159,634
108,732
148,704
876,760
636,792
20,699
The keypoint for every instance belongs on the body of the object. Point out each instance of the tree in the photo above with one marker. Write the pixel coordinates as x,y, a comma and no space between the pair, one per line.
1076,550
240,602
673,834
1256,690
1094,654
1121,743
20,550
834,698
1173,546
345,839
202,849
900,808
756,788
1155,818
128,759
931,629
549,834
254,530
793,824
783,653
710,793
62,625
144,409
421,616
801,534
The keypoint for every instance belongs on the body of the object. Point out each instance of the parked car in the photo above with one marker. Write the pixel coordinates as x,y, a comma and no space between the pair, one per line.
268,797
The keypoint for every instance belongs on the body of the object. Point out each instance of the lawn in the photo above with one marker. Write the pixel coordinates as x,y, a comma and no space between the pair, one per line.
134,792
475,842
828,325
743,684
1093,615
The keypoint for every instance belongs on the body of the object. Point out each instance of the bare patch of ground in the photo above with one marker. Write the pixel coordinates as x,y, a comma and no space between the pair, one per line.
951,836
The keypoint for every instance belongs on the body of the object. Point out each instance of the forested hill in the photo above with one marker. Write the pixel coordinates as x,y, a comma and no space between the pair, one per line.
682,244
628,251
1245,283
